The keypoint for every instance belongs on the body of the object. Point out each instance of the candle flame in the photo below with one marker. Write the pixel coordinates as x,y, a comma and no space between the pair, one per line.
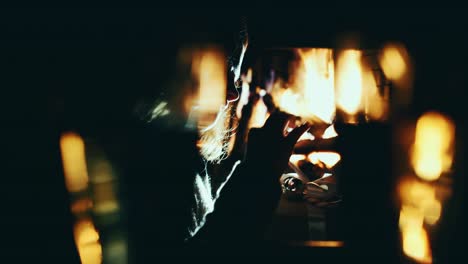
87,242
421,196
74,162
432,152
416,245
394,61
414,237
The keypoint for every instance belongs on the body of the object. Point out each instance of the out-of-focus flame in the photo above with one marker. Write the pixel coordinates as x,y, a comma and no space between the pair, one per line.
375,104
416,244
414,237
208,67
287,100
421,197
87,242
349,81
432,152
394,61
259,114
74,162
313,93
295,158
410,217
396,65
330,132
81,205
329,158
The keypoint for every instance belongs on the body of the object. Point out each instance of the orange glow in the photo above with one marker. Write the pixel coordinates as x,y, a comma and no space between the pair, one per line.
209,69
349,81
414,237
375,104
432,209
410,217
323,243
421,198
81,205
259,114
87,242
416,245
287,100
328,158
74,162
312,96
295,158
394,61
396,65
432,152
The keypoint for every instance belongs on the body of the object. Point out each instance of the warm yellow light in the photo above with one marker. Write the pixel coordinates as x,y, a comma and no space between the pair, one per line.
295,158
87,242
74,162
416,245
375,103
349,81
323,243
415,241
306,136
209,70
410,217
81,205
393,61
312,95
432,209
330,132
287,100
317,83
330,159
432,152
421,198
212,80
259,114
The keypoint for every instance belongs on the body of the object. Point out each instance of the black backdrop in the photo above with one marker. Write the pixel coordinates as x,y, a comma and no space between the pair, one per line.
85,69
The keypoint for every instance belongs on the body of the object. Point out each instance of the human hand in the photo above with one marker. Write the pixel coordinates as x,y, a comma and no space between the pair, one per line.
269,147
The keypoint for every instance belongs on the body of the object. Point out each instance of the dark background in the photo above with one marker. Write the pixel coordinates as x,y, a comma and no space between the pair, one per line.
85,70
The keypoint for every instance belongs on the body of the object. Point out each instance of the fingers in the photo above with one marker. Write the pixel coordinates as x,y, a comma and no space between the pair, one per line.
277,122
297,132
